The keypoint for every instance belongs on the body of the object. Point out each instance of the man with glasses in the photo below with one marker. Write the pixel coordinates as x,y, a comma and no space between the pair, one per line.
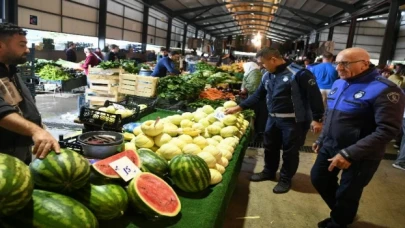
294,103
364,113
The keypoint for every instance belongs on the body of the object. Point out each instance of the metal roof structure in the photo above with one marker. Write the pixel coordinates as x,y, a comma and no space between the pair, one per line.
279,19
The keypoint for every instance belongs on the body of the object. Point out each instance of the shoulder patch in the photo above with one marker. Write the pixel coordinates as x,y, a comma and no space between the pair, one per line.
393,97
385,81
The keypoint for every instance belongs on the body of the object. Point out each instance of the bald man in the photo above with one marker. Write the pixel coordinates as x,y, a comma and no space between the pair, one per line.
364,113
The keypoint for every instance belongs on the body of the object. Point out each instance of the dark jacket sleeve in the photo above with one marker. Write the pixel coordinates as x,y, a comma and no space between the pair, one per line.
388,114
259,94
170,67
5,108
307,83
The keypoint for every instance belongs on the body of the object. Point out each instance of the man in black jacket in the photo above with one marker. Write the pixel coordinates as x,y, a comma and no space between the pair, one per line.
294,103
20,121
364,113
71,53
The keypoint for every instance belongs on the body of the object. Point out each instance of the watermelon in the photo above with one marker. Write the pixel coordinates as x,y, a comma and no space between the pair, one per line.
16,185
105,169
49,209
64,172
106,201
153,163
152,196
190,173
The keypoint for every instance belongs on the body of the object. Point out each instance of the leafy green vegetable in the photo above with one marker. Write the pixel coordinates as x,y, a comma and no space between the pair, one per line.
108,65
248,113
202,66
201,102
50,72
186,87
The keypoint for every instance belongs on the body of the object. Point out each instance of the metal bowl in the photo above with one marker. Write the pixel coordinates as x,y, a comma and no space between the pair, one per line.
101,150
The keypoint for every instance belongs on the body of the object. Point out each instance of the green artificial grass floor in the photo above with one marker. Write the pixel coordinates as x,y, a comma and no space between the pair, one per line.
202,210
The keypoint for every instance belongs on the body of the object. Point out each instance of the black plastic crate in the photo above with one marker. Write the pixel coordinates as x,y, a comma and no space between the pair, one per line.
136,101
99,120
70,143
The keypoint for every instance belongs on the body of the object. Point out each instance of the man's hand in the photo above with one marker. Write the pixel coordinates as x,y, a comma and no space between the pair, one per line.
316,127
44,143
233,110
338,161
315,147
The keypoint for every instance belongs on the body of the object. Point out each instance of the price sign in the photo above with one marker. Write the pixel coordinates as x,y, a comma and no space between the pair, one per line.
219,115
125,168
119,107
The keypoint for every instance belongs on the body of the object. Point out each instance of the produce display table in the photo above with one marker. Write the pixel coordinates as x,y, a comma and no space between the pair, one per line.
203,210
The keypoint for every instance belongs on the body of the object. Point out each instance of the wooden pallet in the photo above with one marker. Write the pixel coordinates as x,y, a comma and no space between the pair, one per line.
144,86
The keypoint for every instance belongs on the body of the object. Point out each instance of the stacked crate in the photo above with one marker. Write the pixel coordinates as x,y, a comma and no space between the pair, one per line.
135,85
103,86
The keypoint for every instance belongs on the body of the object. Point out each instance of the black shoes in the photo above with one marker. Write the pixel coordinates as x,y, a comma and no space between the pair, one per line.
262,177
328,223
282,187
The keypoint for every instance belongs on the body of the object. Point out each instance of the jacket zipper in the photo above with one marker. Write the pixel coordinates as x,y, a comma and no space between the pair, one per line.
334,107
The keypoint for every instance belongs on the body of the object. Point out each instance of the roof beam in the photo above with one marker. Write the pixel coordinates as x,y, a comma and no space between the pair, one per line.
267,35
219,23
314,15
202,12
279,33
152,2
344,6
306,23
211,17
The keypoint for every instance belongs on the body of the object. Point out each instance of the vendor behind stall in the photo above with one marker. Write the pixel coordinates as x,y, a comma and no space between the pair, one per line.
166,65
91,60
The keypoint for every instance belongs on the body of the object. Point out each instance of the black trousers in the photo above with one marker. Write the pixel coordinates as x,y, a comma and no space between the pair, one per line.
342,198
286,134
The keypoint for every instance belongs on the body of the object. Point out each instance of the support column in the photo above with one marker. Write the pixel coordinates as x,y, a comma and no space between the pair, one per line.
2,10
169,33
196,33
352,31
205,35
183,47
11,11
306,46
330,34
145,27
391,34
317,40
102,24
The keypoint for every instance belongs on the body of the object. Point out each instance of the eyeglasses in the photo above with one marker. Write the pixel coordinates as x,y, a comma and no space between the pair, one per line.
346,64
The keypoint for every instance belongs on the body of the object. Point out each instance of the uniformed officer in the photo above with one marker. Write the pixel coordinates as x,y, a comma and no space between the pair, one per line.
293,100
364,113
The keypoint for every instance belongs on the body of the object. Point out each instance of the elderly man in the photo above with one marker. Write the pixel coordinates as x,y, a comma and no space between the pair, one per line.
364,113
294,104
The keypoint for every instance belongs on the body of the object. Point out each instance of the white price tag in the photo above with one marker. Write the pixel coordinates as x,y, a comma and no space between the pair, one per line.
219,115
125,168
119,107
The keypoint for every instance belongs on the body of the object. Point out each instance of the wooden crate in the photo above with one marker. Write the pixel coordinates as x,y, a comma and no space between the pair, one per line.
143,86
104,83
108,72
98,99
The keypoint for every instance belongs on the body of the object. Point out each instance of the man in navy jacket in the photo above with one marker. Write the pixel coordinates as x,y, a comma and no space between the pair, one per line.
294,103
166,65
364,113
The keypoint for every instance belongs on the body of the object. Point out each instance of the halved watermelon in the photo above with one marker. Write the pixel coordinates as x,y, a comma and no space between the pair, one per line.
152,196
105,169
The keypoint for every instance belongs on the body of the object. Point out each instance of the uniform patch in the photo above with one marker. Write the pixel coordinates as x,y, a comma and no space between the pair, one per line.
333,91
393,97
312,82
285,79
359,94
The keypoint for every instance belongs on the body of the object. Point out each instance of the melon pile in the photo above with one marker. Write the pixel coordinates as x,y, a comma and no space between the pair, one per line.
199,133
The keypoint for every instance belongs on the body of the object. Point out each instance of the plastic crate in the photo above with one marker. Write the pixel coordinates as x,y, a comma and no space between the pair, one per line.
70,143
137,100
100,120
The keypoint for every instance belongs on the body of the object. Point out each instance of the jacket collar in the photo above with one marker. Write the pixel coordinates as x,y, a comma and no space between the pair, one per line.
7,72
369,74
281,68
